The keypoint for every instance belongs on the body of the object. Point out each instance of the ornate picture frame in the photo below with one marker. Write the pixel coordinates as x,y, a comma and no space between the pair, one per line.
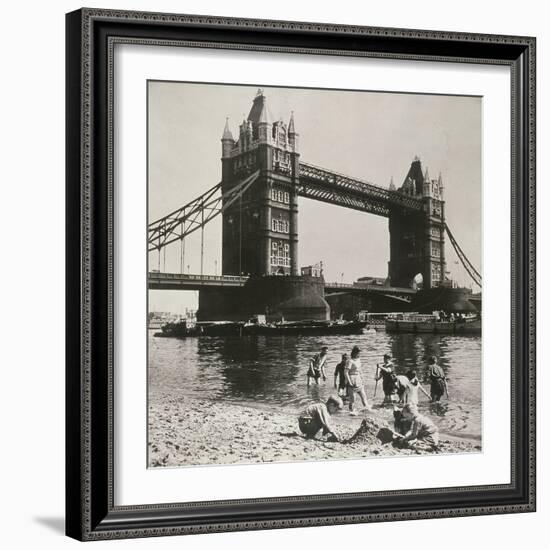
91,336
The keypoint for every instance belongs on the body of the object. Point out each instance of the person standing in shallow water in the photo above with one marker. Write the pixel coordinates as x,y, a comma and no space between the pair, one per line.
317,366
437,380
386,372
355,381
340,383
411,393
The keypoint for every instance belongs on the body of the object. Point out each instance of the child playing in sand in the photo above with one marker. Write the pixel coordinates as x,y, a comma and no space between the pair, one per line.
317,417
423,434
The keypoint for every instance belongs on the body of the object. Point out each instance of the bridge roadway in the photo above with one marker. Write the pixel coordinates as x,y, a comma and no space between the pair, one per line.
178,281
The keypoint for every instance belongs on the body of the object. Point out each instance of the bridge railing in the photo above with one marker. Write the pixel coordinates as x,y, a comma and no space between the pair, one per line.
154,274
330,177
377,288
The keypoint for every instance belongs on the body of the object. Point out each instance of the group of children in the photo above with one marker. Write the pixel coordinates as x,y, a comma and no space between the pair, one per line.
347,376
404,388
411,429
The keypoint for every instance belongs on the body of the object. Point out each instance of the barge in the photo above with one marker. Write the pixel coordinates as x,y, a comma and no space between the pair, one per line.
255,328
431,324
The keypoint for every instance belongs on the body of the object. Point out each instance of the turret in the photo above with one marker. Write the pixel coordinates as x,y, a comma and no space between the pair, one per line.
440,185
227,140
415,177
292,135
260,117
427,185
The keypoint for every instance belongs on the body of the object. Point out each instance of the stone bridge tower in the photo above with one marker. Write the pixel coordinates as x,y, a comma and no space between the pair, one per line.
417,239
260,231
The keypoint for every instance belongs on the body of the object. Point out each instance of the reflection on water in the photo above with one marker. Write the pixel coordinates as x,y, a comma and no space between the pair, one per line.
271,371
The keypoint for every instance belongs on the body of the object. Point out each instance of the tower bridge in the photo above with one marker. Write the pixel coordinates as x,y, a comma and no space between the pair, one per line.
263,177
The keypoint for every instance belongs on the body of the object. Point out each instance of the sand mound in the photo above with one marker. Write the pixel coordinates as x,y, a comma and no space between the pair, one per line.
373,431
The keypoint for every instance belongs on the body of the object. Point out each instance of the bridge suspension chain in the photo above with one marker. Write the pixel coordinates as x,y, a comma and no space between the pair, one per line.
194,215
468,266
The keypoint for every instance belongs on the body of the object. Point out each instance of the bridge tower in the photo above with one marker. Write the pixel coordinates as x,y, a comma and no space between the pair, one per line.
417,240
260,231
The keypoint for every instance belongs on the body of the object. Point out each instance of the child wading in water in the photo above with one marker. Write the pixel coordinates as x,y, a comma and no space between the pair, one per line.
386,372
411,393
316,368
317,417
354,381
340,383
438,381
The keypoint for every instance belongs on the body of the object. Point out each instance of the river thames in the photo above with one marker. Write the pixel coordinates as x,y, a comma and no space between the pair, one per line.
270,372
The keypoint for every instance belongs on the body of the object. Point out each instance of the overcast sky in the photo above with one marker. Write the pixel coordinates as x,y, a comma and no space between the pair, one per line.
371,135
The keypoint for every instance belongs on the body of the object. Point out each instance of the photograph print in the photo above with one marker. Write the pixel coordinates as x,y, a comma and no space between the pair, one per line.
314,274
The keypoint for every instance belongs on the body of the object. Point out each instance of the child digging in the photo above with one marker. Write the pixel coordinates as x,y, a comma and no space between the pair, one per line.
317,417
423,433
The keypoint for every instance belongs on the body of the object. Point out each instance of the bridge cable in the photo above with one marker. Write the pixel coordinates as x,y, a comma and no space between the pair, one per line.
195,214
468,266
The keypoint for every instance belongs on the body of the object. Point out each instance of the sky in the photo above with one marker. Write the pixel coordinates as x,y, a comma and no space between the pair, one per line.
373,136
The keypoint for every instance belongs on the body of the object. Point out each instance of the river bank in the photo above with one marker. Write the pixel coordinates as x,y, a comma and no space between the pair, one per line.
185,431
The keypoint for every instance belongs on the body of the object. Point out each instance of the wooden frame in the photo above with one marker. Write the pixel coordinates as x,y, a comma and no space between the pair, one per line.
91,34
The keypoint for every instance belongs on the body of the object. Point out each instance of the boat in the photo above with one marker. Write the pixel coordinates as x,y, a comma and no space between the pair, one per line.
431,324
181,329
304,328
178,329
221,328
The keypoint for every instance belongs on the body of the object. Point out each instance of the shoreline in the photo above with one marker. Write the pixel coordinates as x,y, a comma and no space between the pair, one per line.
186,431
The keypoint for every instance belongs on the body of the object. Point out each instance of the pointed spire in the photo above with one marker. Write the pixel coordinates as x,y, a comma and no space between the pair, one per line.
392,185
226,131
426,175
259,113
440,180
264,115
291,129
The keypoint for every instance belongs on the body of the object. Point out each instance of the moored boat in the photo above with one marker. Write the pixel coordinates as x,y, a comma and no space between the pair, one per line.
177,329
305,328
430,324
253,328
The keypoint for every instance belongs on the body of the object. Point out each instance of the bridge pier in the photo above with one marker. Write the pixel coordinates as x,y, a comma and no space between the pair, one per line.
277,297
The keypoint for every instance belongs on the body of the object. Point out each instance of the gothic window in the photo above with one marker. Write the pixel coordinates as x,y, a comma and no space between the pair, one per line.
286,198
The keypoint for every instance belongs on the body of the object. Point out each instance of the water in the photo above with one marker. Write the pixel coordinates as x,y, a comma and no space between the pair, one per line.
271,371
